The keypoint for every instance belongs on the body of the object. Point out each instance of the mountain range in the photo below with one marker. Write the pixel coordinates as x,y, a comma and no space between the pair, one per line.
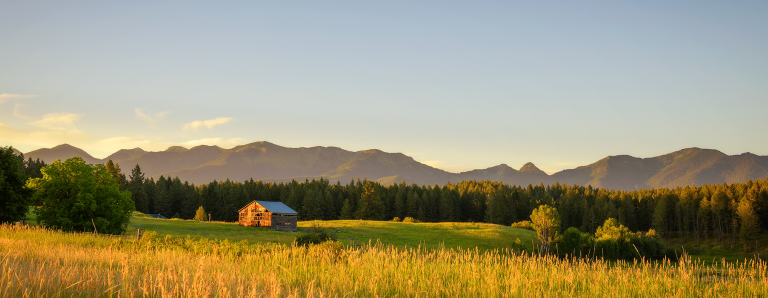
269,162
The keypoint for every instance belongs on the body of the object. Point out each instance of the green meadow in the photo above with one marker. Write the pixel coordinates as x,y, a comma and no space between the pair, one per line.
350,232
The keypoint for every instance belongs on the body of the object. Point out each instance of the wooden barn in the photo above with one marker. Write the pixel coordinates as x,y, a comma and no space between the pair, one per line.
276,215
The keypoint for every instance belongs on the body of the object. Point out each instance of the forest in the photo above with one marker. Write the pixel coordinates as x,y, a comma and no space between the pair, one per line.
727,213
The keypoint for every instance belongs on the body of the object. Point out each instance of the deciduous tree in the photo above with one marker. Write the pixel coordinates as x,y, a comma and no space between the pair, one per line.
77,196
14,195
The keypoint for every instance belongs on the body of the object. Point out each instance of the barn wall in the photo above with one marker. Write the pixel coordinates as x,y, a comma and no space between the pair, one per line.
285,223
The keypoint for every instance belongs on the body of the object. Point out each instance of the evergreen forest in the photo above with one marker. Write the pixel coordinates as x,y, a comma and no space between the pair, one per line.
727,213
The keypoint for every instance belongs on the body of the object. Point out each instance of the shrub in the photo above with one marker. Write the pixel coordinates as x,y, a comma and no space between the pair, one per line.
575,243
315,235
410,219
523,225
396,219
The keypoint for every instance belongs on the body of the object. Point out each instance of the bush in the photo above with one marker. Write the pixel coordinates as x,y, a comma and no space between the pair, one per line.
396,219
574,243
315,235
523,225
410,219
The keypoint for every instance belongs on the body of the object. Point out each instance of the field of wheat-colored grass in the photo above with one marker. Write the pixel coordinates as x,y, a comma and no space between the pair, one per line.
36,262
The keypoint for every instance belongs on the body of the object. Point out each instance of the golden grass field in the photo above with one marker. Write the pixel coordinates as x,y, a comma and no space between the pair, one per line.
37,262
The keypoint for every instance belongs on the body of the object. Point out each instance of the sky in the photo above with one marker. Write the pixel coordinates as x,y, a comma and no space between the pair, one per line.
456,85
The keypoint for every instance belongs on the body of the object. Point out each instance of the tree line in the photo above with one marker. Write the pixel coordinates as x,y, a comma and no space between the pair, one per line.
724,212
719,211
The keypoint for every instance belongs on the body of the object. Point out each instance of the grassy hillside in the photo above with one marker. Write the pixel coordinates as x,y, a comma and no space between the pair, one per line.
351,232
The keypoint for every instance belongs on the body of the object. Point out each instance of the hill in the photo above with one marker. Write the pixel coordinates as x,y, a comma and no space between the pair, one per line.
269,162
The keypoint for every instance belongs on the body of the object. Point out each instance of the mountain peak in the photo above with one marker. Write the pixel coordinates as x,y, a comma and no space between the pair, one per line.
531,168
66,146
176,149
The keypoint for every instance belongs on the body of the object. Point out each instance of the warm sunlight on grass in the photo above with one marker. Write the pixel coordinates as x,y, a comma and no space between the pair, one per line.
41,263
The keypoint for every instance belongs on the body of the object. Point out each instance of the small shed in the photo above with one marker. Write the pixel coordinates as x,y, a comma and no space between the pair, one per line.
275,215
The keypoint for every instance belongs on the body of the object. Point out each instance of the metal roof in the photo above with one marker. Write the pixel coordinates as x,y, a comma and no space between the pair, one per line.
274,207
160,216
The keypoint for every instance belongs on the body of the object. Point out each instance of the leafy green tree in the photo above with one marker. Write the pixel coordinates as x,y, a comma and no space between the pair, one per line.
14,195
200,215
611,229
77,196
546,222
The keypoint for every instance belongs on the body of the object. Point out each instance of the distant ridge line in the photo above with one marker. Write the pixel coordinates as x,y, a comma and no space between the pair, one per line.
270,162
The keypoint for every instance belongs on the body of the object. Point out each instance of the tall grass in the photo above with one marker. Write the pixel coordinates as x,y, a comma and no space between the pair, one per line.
36,262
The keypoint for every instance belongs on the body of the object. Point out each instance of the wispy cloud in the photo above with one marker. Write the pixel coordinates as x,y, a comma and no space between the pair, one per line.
18,114
194,125
58,121
6,96
151,120
31,139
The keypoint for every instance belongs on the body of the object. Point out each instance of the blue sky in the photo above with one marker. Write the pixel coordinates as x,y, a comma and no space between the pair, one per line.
456,85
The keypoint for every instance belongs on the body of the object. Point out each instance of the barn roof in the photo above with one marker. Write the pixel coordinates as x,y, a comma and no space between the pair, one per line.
274,207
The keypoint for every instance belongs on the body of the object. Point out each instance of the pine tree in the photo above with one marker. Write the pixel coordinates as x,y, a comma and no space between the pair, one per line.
114,169
347,210
136,187
370,203
309,208
400,205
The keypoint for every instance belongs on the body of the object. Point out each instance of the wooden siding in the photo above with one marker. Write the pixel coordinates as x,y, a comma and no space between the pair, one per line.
255,215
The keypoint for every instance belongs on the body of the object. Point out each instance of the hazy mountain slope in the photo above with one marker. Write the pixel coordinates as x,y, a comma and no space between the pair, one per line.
528,174
264,161
694,166
173,159
17,152
270,162
616,172
124,154
62,152
376,164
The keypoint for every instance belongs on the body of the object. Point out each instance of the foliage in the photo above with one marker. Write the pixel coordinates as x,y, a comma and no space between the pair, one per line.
136,187
545,220
200,215
612,241
525,224
611,229
370,203
77,196
315,235
14,195
411,219
698,214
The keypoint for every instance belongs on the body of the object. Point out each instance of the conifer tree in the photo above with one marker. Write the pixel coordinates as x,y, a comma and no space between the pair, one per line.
117,174
370,203
347,210
309,207
136,187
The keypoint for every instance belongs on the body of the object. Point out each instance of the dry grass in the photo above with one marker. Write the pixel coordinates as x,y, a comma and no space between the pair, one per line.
40,263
